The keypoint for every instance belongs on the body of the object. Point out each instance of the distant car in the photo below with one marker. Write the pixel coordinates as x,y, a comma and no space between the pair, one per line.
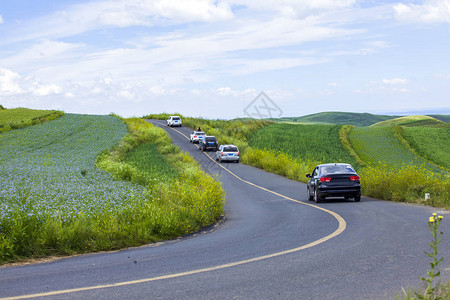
196,136
208,143
227,153
174,121
333,180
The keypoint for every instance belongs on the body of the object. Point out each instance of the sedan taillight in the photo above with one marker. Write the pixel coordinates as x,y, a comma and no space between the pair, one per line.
325,179
354,178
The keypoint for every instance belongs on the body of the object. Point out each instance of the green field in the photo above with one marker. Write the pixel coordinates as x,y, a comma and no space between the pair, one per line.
318,143
409,121
339,118
147,159
21,117
431,143
378,145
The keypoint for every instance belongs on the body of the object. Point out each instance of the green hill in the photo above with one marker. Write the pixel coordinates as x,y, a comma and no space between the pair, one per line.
443,118
409,121
340,118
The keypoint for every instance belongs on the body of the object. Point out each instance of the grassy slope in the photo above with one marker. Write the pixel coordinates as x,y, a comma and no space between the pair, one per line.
412,121
375,145
20,117
319,143
342,118
430,143
443,118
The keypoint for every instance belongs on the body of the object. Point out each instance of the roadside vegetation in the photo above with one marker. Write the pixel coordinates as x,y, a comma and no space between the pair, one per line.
55,201
17,118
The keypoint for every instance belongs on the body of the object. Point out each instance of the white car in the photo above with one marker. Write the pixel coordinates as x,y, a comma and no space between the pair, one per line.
174,121
196,136
227,153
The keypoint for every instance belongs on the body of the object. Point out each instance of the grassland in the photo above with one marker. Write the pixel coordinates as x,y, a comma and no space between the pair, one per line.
21,117
408,121
318,143
55,201
339,118
431,143
378,145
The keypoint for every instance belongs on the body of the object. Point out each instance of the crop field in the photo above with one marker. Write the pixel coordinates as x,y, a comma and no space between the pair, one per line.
52,167
21,117
378,145
318,143
430,143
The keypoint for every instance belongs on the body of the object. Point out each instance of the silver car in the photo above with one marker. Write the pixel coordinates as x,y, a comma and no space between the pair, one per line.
196,136
227,153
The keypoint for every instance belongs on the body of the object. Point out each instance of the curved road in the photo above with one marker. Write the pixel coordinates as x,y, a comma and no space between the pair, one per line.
273,244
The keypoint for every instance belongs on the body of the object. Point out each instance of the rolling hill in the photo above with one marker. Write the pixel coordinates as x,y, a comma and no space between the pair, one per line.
339,118
409,121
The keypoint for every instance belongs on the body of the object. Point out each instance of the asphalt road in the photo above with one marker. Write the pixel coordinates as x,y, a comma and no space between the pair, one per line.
272,244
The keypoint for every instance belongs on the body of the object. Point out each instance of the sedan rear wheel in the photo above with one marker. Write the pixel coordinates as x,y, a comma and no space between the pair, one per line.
358,198
317,199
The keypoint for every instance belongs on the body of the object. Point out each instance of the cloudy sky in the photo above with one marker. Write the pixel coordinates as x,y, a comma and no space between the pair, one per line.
213,58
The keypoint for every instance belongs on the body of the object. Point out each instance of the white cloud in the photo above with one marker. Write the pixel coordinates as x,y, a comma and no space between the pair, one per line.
333,84
395,81
157,90
127,94
1,19
225,91
9,82
45,90
431,11
296,8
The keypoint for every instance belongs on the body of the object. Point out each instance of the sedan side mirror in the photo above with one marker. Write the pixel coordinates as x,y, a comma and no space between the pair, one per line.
308,175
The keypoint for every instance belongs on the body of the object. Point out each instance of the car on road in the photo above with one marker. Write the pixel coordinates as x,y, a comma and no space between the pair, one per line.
209,142
196,136
333,180
174,121
227,153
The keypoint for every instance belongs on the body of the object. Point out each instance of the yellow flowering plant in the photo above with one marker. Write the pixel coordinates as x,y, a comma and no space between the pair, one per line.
431,291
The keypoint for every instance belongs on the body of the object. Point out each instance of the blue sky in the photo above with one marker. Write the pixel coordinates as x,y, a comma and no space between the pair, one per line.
213,58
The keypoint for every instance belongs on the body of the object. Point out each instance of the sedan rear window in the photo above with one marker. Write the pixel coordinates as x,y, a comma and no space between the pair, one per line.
337,169
201,133
176,118
210,139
